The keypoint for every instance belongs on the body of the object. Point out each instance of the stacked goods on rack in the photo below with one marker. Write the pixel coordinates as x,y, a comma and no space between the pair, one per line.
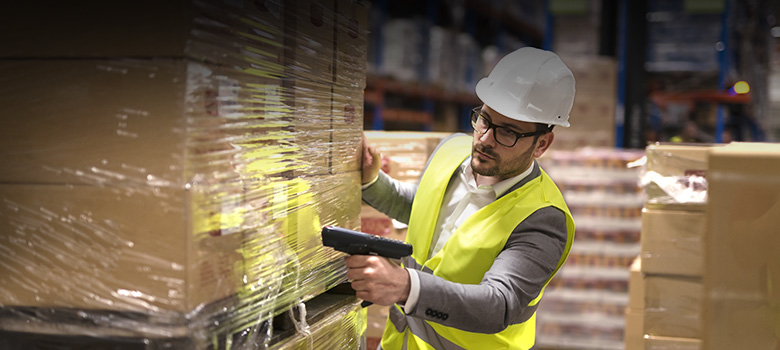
593,112
167,169
584,304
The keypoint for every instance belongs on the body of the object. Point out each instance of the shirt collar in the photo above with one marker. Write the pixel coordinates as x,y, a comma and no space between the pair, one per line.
500,187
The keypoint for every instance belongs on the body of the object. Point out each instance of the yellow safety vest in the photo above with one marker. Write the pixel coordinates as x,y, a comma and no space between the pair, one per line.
472,248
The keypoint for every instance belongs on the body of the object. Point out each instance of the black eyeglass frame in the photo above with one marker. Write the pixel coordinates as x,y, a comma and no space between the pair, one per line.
475,114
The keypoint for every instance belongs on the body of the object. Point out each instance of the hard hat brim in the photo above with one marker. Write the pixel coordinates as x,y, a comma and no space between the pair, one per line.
498,103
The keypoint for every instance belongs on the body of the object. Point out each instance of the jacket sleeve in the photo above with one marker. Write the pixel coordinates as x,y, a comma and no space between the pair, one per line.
517,276
391,197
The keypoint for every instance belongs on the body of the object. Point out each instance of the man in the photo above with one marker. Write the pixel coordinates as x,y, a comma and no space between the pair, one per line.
488,226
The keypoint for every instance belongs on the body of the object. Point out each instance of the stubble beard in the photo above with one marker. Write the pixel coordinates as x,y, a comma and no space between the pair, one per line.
493,167
485,168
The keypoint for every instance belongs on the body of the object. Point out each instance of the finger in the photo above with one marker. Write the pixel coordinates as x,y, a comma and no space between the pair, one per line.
366,150
355,274
355,261
376,156
363,295
359,286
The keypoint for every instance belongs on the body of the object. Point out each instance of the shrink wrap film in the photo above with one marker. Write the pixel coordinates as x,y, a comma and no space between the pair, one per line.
347,322
675,175
166,168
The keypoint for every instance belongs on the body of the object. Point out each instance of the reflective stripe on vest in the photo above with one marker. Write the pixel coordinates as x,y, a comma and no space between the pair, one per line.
468,253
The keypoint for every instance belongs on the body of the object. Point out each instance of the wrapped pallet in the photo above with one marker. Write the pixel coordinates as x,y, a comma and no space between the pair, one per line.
167,167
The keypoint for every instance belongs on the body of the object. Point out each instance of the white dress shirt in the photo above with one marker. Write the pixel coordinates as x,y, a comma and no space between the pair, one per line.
463,198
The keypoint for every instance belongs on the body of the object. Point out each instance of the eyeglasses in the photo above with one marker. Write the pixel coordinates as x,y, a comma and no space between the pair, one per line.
503,136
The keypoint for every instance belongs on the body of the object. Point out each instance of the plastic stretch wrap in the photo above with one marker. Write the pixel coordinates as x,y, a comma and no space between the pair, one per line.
675,174
166,168
347,322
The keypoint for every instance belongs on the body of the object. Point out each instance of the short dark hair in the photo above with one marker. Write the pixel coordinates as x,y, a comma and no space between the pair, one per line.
542,127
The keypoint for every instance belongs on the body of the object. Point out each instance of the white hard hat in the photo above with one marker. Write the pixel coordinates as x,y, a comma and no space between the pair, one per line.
530,85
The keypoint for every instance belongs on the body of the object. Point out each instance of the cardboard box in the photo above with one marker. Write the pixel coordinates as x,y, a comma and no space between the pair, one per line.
308,204
351,43
311,125
212,30
309,36
376,320
668,305
347,112
594,108
742,268
636,285
672,242
673,306
150,249
570,139
406,153
347,148
634,330
130,249
375,222
652,342
594,73
340,199
670,159
592,113
134,122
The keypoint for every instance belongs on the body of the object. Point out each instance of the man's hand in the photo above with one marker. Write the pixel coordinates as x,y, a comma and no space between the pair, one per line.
372,162
377,279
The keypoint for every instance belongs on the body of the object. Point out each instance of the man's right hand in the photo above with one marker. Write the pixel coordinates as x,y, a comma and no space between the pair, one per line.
372,161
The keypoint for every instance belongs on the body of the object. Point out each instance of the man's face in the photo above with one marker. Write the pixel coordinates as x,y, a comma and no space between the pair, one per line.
489,158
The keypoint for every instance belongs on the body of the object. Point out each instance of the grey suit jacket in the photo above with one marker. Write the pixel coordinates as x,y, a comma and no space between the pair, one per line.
517,276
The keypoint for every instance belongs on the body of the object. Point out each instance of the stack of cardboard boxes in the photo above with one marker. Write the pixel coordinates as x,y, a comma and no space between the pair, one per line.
170,165
699,282
666,285
593,112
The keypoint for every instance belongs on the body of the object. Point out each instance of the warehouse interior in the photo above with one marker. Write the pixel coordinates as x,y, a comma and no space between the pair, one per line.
168,167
